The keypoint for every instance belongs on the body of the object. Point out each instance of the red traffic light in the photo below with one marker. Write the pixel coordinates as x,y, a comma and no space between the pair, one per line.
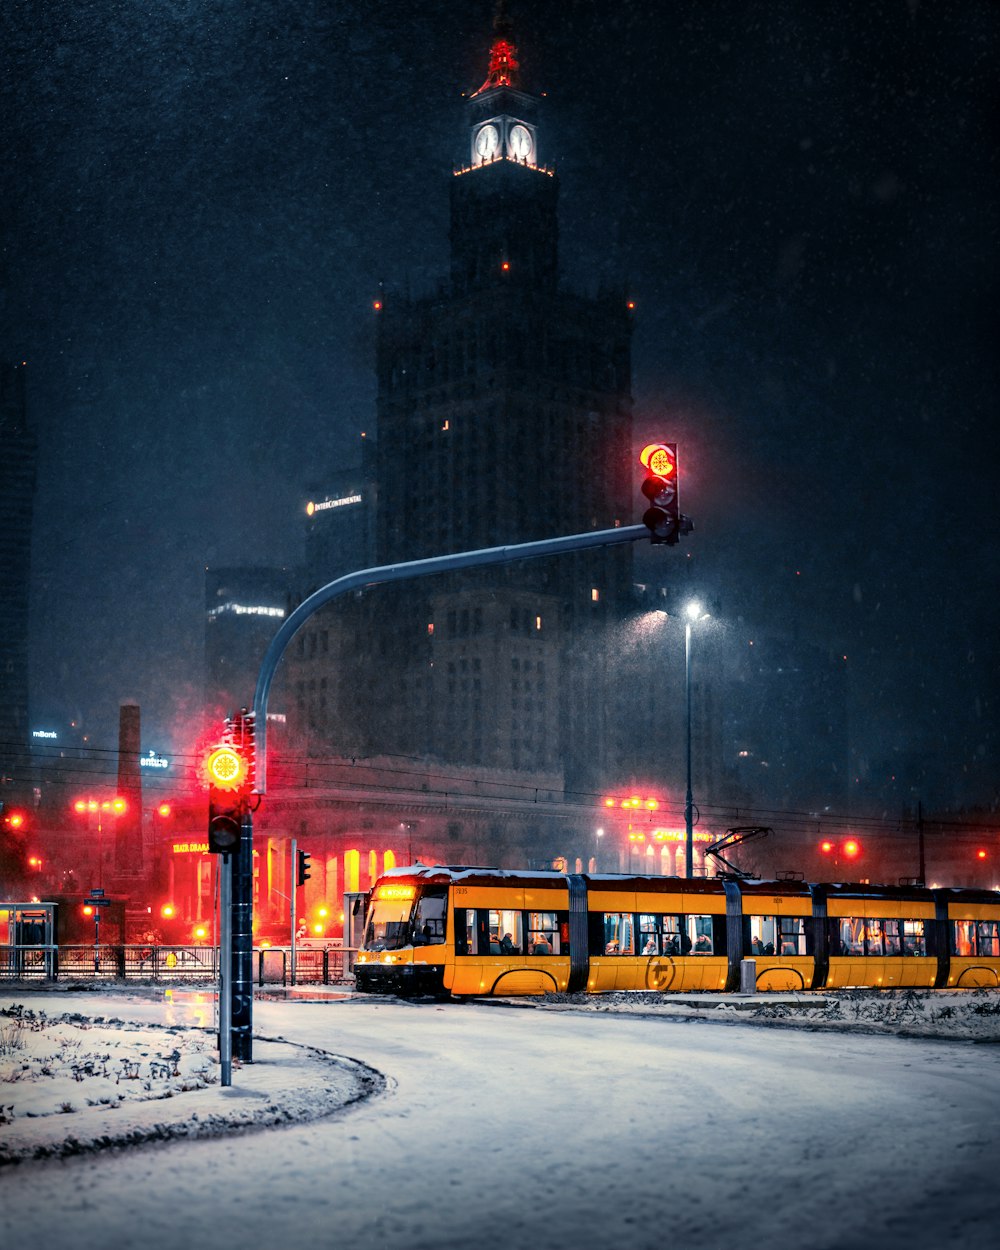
852,848
826,847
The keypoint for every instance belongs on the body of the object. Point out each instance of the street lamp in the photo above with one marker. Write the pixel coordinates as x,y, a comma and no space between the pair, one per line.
113,807
692,613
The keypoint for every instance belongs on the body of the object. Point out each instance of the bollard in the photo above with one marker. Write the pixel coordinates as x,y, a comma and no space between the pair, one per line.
748,976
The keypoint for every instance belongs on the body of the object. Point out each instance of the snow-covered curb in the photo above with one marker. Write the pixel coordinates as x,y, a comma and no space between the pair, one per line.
951,1015
63,1095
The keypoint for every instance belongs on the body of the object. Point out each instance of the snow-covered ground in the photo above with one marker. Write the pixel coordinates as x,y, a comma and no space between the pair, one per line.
72,1081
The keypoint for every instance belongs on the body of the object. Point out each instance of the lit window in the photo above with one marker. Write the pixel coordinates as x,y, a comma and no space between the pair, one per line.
595,595
430,627
538,622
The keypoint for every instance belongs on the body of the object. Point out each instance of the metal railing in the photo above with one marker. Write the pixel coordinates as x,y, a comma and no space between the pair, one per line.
141,962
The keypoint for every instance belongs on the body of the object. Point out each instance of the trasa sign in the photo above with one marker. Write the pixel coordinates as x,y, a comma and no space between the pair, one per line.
226,768
656,458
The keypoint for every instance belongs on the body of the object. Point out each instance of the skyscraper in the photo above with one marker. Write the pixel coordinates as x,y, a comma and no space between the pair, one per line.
18,461
504,416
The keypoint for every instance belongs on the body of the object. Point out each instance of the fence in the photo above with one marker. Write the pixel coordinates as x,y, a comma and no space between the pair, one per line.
164,963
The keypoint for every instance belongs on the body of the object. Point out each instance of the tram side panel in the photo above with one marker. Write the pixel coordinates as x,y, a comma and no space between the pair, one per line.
654,934
509,939
880,941
971,924
777,931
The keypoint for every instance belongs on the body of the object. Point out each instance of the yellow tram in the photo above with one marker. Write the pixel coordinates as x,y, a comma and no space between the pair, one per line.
488,931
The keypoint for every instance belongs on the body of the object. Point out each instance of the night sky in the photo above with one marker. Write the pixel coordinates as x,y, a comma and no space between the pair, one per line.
201,196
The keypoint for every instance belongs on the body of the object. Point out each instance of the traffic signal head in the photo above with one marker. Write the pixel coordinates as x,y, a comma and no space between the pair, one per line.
303,874
660,486
228,798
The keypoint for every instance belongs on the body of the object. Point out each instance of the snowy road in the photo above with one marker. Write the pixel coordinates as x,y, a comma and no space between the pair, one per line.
524,1128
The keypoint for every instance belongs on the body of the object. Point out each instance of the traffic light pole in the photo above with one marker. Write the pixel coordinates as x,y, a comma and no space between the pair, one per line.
242,906
382,574
226,968
241,962
292,891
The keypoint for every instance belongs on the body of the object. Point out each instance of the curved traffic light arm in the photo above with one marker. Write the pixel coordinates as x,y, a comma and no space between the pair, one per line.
404,572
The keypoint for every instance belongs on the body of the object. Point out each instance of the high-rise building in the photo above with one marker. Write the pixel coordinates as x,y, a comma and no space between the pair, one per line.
244,609
504,417
18,461
340,526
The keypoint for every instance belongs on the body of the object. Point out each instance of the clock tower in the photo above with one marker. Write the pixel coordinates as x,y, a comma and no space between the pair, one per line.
503,204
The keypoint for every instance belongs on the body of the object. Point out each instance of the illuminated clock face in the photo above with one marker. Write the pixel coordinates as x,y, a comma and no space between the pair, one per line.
519,142
487,141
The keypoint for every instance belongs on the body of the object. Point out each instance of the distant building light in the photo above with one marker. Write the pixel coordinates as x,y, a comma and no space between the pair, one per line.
245,609
326,504
279,718
154,761
44,733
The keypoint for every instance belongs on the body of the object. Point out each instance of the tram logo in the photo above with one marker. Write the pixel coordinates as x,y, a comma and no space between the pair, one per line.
660,972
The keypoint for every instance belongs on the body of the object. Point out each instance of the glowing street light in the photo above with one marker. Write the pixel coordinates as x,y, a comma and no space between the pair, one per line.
692,613
101,808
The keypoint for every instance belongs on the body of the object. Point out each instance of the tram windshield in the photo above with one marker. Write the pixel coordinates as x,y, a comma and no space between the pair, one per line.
404,915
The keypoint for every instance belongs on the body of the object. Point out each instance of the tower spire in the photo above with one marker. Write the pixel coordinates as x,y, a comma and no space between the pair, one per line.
504,69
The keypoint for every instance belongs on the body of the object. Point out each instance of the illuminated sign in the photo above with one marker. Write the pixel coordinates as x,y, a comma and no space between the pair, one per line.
154,761
327,504
44,733
385,892
190,848
245,609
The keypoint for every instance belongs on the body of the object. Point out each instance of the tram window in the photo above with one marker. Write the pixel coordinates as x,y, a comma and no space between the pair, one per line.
618,933
505,933
670,935
699,934
763,935
914,941
872,933
893,945
989,939
543,933
963,937
389,924
466,931
429,917
851,936
649,935
791,935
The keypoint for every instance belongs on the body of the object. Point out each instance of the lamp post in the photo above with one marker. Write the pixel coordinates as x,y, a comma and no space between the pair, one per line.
88,806
692,613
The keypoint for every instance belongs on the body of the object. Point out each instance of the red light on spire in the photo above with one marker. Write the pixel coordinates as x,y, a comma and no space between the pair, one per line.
504,68
980,854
